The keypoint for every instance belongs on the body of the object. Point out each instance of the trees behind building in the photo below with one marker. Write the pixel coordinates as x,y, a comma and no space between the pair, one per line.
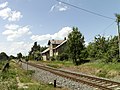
35,52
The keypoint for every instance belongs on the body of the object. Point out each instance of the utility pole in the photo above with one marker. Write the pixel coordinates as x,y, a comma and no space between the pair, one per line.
118,37
118,28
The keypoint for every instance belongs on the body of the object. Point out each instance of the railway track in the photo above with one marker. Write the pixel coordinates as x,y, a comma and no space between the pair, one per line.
96,82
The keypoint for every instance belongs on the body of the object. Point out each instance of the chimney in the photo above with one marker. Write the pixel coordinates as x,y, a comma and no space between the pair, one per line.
64,38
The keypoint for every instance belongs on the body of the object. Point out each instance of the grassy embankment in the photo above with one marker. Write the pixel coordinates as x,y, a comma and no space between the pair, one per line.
18,79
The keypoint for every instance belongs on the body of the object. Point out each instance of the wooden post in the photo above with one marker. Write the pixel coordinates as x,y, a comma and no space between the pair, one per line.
54,83
27,65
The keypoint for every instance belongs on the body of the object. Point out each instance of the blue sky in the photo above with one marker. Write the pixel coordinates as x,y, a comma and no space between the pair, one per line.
23,22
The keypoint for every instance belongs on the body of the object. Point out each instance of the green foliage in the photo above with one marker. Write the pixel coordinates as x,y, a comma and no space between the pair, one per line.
59,64
12,57
2,63
8,79
4,56
53,65
104,70
7,75
34,54
52,58
104,49
62,57
118,17
75,45
43,48
19,55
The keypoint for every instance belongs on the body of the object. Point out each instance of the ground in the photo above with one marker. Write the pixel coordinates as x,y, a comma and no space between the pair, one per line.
16,78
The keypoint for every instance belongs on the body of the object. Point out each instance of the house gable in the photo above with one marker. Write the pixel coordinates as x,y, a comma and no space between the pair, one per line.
53,49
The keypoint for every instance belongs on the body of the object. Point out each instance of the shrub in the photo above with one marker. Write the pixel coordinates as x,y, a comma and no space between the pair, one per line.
63,56
52,58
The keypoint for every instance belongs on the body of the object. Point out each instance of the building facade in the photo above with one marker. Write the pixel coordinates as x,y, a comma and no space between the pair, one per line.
55,47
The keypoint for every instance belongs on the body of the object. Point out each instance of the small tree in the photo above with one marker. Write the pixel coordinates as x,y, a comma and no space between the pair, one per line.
19,56
75,45
34,54
4,56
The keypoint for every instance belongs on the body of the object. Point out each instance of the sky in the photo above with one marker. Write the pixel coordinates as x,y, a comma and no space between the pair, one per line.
22,22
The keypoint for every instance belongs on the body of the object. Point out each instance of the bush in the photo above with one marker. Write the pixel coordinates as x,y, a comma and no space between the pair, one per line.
62,57
52,58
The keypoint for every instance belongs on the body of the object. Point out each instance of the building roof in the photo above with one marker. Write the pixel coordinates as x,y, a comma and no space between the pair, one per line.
46,50
64,41
55,41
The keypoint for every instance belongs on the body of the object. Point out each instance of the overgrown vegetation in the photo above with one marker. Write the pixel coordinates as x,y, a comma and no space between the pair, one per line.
8,80
109,70
104,49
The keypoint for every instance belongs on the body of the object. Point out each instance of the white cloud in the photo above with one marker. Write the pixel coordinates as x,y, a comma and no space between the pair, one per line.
62,33
41,37
59,35
11,26
15,31
3,5
15,16
22,47
10,15
12,48
86,43
15,47
4,13
59,7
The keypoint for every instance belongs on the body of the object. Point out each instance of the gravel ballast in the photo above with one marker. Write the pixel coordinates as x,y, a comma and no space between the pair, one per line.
47,77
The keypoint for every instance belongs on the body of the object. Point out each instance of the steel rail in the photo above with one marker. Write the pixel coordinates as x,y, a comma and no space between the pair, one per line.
87,79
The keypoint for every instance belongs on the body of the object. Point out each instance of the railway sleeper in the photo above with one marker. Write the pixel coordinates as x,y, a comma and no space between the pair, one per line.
113,86
102,83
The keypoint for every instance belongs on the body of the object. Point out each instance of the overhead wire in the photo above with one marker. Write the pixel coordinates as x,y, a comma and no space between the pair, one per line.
103,30
86,10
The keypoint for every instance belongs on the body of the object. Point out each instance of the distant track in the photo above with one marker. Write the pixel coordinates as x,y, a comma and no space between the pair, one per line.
100,83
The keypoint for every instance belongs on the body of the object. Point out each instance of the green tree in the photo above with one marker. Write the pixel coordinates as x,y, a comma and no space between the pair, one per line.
43,48
103,49
75,45
91,50
19,56
4,56
12,57
34,54
112,53
101,46
97,49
